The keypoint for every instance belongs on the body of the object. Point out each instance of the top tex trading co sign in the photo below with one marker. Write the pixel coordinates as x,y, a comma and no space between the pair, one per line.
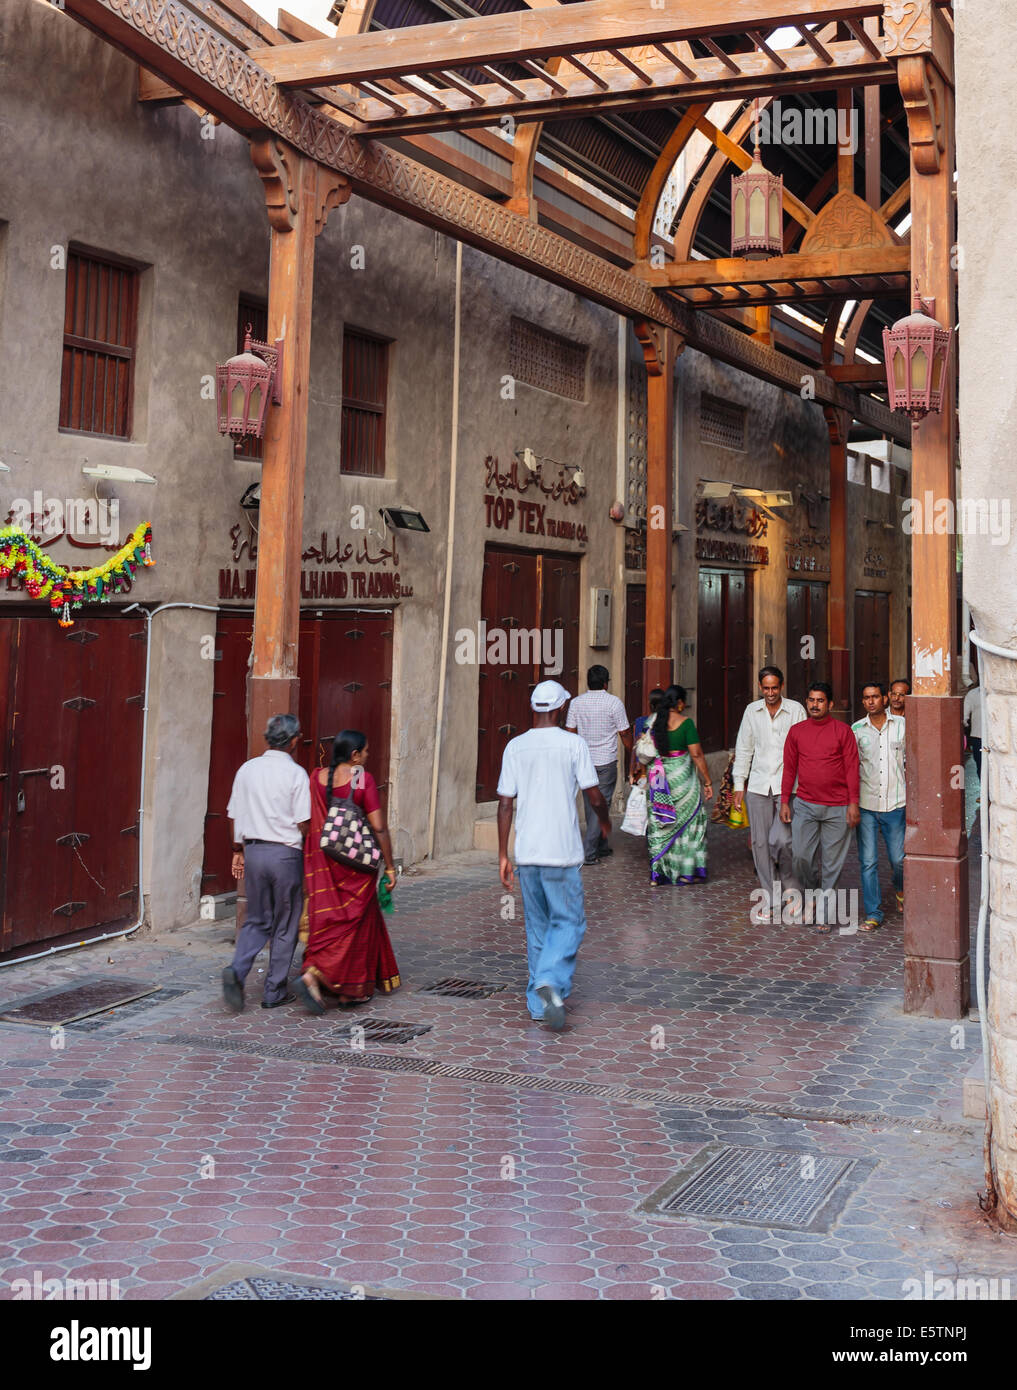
530,517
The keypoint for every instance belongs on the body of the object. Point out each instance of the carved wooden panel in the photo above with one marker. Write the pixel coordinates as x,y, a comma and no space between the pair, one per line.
846,222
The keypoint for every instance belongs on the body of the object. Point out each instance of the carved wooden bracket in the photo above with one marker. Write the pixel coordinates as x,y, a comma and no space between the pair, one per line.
332,190
838,422
655,349
279,166
907,27
921,88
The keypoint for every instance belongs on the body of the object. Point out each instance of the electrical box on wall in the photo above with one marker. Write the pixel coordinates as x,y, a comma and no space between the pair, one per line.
600,617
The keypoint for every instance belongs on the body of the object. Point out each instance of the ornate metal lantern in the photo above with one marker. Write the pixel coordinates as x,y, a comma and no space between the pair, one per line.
757,210
917,349
244,386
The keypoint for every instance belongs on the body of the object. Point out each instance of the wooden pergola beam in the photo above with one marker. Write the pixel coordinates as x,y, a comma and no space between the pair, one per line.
545,96
816,265
537,34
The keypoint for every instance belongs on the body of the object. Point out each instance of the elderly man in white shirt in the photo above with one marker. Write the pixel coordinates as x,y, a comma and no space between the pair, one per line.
759,758
270,807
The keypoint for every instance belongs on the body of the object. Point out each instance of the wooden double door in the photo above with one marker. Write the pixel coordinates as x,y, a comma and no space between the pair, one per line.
522,590
71,714
636,700
724,658
806,619
872,642
345,668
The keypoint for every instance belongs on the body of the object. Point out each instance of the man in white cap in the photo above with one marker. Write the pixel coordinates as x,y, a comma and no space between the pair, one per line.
544,768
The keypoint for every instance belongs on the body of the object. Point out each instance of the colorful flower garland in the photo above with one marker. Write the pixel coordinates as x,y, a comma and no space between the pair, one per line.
69,589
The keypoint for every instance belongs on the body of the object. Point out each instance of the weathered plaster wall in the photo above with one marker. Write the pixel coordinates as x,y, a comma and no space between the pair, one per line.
988,421
495,423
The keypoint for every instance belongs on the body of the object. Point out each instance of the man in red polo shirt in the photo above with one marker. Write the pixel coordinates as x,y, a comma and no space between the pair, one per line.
822,754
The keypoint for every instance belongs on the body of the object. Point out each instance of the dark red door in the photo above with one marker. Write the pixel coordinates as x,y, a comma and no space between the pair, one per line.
806,619
636,702
724,660
72,758
229,744
346,683
345,666
509,600
872,641
559,605
709,709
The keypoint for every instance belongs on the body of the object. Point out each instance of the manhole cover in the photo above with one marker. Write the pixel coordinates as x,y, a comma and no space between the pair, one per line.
60,1006
462,989
383,1030
248,1283
788,1189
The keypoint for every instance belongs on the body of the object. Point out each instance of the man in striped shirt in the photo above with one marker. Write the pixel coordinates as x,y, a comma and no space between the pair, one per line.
881,799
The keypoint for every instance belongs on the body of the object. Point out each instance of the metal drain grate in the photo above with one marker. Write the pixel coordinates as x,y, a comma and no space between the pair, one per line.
462,989
55,1007
554,1085
786,1189
383,1030
278,1290
126,1013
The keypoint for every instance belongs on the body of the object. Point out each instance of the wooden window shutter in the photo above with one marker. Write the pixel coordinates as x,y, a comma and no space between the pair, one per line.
365,386
100,341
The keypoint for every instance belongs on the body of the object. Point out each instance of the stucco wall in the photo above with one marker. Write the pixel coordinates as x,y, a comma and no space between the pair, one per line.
987,205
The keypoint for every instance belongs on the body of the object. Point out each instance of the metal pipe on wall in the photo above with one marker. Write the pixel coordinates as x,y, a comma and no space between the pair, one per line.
449,548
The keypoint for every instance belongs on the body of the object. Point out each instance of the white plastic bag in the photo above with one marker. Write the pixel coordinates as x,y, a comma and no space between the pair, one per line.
635,812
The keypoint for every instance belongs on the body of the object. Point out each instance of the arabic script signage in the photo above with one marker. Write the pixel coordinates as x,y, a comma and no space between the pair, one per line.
330,579
530,517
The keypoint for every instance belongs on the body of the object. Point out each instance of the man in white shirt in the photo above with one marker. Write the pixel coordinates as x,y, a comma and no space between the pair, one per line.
541,771
881,797
599,718
270,807
759,758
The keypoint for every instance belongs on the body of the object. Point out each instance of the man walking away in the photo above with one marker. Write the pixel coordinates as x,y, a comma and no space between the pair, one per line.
973,724
270,808
543,769
823,755
599,718
880,739
759,757
899,691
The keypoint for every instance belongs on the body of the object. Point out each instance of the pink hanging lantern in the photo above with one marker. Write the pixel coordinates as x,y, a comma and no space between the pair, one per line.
244,386
916,351
757,209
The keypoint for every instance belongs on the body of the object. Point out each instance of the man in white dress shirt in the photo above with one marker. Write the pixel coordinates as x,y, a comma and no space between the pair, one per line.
882,797
270,808
759,758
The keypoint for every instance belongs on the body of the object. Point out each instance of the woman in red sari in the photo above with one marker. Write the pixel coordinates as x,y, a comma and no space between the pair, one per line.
348,952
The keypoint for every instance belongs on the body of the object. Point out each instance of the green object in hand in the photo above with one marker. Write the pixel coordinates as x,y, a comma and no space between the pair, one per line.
384,894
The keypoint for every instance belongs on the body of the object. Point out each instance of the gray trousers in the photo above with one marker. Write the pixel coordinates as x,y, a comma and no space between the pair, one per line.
771,841
274,878
820,836
607,778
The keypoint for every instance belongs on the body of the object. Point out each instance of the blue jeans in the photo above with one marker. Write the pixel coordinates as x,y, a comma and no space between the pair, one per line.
555,917
889,824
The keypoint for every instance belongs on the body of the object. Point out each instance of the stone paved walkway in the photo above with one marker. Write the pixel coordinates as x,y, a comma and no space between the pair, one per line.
487,1158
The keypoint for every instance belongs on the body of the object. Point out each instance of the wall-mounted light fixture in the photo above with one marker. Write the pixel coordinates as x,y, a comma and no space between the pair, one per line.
251,499
403,519
245,384
113,473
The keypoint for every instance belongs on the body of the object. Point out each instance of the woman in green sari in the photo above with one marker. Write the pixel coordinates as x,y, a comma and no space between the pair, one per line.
678,785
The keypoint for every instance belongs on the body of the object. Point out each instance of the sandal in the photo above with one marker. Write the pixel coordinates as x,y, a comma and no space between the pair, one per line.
870,924
824,928
309,997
